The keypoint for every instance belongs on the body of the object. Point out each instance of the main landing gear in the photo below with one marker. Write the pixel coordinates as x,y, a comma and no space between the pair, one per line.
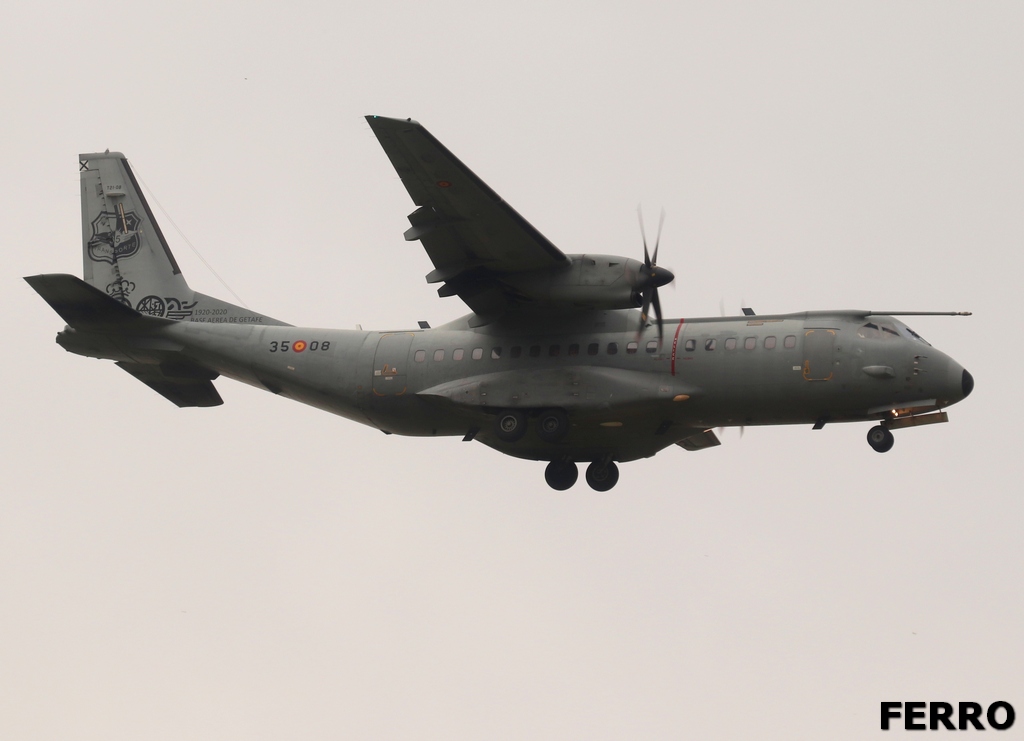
601,476
510,425
880,439
552,425
561,475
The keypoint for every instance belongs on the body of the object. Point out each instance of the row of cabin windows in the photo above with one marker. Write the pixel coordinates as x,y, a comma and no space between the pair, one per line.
534,351
748,344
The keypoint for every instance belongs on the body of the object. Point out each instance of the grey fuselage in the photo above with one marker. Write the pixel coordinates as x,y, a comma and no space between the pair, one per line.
627,394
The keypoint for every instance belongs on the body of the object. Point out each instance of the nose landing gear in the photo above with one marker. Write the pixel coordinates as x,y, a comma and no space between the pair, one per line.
880,439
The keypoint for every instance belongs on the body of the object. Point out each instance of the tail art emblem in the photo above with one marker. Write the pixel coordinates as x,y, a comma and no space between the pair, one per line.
168,307
114,236
120,289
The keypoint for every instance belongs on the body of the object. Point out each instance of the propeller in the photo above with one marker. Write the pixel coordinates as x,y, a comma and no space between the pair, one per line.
651,277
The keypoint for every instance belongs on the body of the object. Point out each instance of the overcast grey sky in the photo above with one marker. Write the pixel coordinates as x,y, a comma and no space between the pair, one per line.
262,570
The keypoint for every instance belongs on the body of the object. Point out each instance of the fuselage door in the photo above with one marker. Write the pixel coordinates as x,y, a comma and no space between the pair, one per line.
390,364
819,354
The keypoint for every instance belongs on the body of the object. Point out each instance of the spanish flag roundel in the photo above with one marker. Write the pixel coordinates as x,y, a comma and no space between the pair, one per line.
299,345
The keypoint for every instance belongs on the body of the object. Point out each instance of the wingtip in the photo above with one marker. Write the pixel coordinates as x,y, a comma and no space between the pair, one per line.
377,120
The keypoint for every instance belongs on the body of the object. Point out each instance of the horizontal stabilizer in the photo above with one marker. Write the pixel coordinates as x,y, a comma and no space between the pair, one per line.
184,384
82,306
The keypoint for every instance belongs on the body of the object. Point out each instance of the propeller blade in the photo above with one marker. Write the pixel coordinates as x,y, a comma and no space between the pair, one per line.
646,306
643,235
657,241
657,312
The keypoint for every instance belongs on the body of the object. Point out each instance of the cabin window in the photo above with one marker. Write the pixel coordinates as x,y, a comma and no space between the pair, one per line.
631,348
710,344
593,348
750,343
652,346
420,356
554,350
459,354
613,348
478,352
690,345
534,351
790,341
769,343
438,355
574,349
495,353
516,351
730,344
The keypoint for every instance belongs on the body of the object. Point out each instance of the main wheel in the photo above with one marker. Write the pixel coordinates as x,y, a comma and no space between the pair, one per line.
602,478
561,475
880,439
511,425
552,425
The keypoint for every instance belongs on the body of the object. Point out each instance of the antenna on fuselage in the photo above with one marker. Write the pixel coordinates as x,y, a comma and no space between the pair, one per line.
920,313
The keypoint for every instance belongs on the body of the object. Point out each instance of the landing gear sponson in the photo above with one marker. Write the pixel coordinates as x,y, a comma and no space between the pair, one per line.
551,426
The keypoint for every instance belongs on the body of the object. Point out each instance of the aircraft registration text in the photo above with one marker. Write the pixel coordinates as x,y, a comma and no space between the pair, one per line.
299,345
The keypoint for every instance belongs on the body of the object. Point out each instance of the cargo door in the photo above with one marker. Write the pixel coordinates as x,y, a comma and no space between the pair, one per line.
819,354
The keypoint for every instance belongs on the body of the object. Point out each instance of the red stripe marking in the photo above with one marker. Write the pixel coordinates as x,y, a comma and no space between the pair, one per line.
675,344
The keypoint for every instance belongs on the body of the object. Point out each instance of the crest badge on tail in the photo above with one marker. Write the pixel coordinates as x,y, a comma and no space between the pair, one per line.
115,236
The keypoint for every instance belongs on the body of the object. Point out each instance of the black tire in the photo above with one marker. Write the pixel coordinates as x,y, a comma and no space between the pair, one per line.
602,478
552,425
880,439
510,426
561,475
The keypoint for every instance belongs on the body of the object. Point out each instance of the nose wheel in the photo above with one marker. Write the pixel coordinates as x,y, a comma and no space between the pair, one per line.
880,439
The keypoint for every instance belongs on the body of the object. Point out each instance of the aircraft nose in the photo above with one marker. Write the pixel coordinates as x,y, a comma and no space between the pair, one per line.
959,383
967,383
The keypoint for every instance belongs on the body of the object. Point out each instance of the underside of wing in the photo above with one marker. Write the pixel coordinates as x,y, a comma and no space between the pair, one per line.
475,240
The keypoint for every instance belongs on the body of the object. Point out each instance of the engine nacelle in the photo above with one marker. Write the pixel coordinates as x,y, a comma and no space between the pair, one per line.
588,282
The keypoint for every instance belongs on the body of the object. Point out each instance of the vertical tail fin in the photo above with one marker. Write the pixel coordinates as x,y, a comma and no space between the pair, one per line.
124,251
126,255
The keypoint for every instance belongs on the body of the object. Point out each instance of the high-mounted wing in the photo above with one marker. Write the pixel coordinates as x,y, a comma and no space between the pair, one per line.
471,235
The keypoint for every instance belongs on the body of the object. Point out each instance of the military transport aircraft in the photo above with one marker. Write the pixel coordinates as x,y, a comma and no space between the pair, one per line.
561,358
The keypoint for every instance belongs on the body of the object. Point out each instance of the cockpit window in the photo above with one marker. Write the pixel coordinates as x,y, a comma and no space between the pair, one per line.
878,330
915,335
869,331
